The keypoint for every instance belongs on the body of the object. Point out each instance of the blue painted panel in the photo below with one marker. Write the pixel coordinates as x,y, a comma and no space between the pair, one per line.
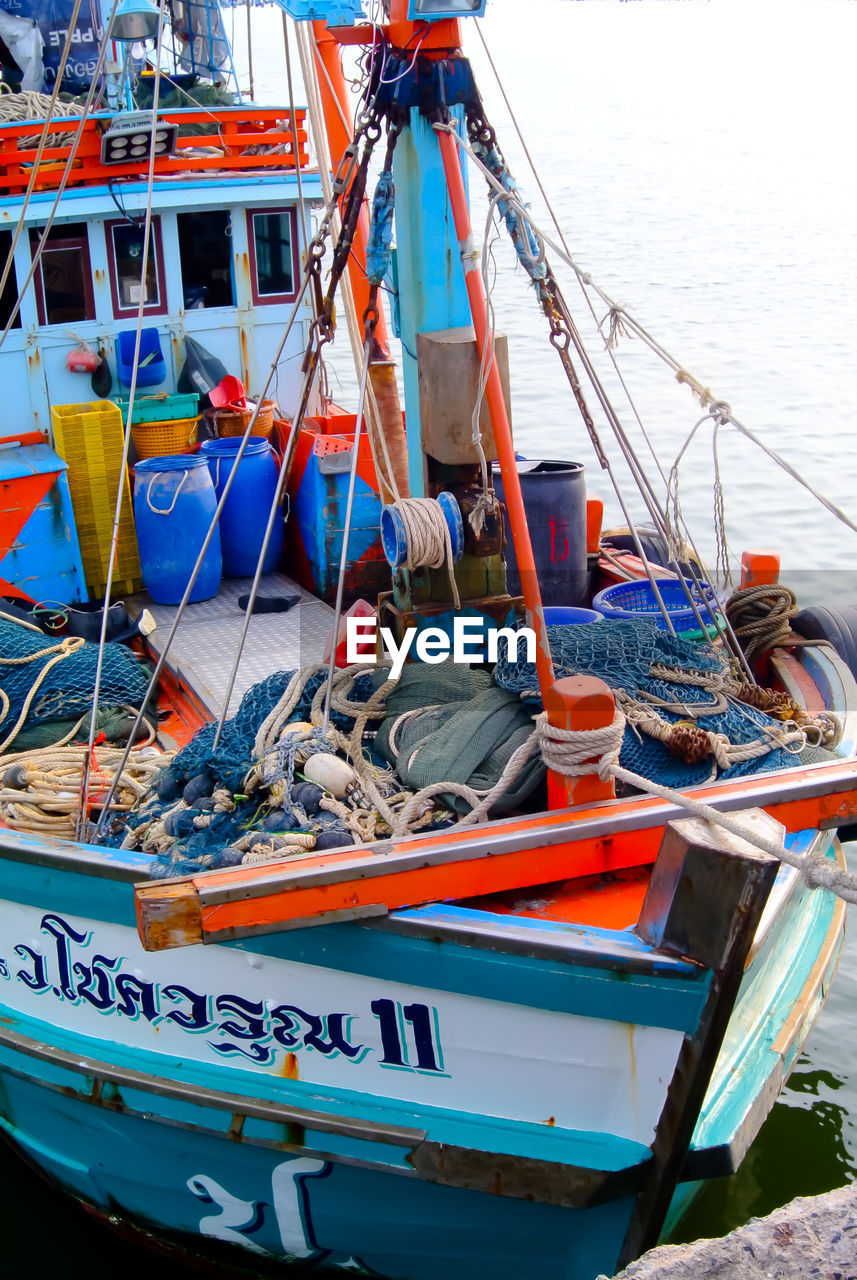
599,1151
424,233
670,1001
44,558
304,1207
769,992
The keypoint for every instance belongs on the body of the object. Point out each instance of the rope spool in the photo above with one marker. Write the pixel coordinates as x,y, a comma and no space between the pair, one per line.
426,533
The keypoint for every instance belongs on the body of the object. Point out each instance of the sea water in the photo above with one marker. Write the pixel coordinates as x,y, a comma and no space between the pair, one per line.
699,157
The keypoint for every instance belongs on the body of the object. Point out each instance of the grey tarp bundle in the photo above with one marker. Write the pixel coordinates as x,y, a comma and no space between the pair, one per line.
467,732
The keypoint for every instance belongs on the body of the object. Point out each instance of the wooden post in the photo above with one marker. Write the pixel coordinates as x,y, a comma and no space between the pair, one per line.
579,702
759,569
704,903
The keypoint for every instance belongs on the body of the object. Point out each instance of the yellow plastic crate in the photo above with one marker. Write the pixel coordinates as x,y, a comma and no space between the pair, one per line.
89,438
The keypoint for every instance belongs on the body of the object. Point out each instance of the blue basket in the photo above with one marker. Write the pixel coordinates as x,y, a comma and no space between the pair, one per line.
638,600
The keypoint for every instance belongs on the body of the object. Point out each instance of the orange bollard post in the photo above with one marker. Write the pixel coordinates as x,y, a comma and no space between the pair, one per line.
594,521
578,702
759,569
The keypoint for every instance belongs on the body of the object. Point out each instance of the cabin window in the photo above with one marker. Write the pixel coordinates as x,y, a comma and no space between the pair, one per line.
63,276
273,254
125,257
205,250
10,293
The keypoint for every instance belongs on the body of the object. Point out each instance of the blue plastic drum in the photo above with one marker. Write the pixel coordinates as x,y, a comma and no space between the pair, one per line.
174,502
560,616
245,513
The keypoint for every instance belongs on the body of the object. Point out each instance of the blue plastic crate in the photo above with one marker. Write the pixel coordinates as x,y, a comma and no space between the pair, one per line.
152,368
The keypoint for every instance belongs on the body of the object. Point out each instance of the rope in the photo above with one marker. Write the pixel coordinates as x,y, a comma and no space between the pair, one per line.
167,511
575,752
761,617
60,652
427,537
44,795
480,800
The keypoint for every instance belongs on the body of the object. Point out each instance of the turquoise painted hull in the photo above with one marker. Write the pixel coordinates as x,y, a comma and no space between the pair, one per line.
154,1090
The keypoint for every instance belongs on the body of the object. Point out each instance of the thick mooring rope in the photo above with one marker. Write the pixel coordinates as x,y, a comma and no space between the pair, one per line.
761,617
575,752
40,790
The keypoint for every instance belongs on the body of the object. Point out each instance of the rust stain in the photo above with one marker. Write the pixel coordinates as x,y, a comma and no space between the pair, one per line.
245,358
242,263
34,359
289,1069
98,275
633,1064
551,1120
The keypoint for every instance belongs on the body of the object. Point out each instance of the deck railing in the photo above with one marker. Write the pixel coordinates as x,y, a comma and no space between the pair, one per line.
225,139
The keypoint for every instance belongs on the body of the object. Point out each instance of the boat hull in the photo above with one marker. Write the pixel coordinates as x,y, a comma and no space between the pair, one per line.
422,1094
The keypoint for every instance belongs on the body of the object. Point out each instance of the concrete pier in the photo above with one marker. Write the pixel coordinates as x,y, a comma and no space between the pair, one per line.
813,1236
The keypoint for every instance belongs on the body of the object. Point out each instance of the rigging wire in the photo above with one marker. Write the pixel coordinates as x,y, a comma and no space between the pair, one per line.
120,490
330,214
674,551
296,152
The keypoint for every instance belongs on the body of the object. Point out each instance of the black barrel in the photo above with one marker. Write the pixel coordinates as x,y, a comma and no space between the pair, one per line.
554,496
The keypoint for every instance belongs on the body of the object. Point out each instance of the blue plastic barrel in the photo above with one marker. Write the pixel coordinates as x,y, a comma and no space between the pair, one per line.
245,513
174,502
559,616
554,496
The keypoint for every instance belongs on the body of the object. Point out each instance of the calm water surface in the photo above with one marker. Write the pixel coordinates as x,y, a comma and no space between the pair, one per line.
700,159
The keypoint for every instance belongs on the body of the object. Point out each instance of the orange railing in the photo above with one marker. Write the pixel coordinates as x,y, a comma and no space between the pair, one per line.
233,138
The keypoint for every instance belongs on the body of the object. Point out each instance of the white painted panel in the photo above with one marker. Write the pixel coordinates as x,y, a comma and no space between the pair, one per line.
465,1053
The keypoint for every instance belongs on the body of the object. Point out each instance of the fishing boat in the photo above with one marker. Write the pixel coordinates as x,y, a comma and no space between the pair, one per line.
464,967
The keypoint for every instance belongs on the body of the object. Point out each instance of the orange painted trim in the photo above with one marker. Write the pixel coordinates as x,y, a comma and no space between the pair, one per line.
180,714
535,864
232,130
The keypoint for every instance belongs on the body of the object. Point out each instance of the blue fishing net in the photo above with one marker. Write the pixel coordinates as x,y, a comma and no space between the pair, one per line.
199,770
64,691
623,655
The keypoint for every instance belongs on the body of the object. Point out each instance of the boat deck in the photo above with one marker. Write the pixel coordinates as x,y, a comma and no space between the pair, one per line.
203,651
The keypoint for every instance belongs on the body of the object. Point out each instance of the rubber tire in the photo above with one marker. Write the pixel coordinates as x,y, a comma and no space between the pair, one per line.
838,626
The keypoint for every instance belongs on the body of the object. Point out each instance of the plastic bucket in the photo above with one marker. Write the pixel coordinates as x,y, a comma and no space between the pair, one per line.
554,496
174,502
557,616
245,513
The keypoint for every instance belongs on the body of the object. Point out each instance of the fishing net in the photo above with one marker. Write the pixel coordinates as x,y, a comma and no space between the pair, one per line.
47,679
451,723
628,655
200,824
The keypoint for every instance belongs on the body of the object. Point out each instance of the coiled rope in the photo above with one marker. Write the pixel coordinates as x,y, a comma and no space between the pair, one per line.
761,617
427,537
576,752
23,107
45,797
